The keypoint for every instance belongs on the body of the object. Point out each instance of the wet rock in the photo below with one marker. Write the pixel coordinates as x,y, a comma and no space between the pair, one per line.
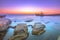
20,32
20,27
58,38
28,20
2,34
2,16
4,24
38,28
21,36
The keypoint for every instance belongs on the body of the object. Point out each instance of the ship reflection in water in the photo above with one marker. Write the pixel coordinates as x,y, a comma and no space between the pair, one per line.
52,24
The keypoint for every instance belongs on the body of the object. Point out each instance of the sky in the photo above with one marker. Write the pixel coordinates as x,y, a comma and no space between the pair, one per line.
29,6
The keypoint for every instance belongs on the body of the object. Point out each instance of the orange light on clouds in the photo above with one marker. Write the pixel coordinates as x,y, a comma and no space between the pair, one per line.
28,10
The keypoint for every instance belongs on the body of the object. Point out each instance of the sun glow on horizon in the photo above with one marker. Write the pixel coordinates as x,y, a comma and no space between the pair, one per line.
28,10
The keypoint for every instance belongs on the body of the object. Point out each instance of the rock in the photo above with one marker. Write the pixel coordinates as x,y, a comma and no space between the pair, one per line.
58,38
38,28
21,36
2,34
4,24
20,27
20,32
2,16
28,20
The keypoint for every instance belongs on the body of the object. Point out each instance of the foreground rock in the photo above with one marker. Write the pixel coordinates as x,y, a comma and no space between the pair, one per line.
58,38
38,28
4,24
20,32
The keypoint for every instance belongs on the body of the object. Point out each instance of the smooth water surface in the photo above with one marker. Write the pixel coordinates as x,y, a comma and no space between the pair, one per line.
52,24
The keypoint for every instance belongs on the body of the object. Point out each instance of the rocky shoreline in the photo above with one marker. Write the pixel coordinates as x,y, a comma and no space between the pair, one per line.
20,30
4,25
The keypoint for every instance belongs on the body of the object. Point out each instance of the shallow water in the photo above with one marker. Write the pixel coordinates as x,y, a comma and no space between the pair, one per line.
52,26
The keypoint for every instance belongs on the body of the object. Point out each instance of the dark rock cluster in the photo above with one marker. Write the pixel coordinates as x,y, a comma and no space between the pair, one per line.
21,31
4,25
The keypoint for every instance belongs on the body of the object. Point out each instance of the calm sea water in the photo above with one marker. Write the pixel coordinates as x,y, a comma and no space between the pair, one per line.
52,24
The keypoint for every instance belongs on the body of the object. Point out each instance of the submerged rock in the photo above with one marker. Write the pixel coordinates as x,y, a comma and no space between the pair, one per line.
38,28
20,32
28,20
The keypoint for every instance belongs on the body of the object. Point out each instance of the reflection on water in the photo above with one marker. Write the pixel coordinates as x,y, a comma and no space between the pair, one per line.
52,26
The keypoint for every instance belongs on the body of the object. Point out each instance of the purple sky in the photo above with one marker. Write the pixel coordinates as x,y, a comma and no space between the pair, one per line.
51,4
39,3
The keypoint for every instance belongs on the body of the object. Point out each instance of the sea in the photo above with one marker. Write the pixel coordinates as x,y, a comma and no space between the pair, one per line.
52,26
